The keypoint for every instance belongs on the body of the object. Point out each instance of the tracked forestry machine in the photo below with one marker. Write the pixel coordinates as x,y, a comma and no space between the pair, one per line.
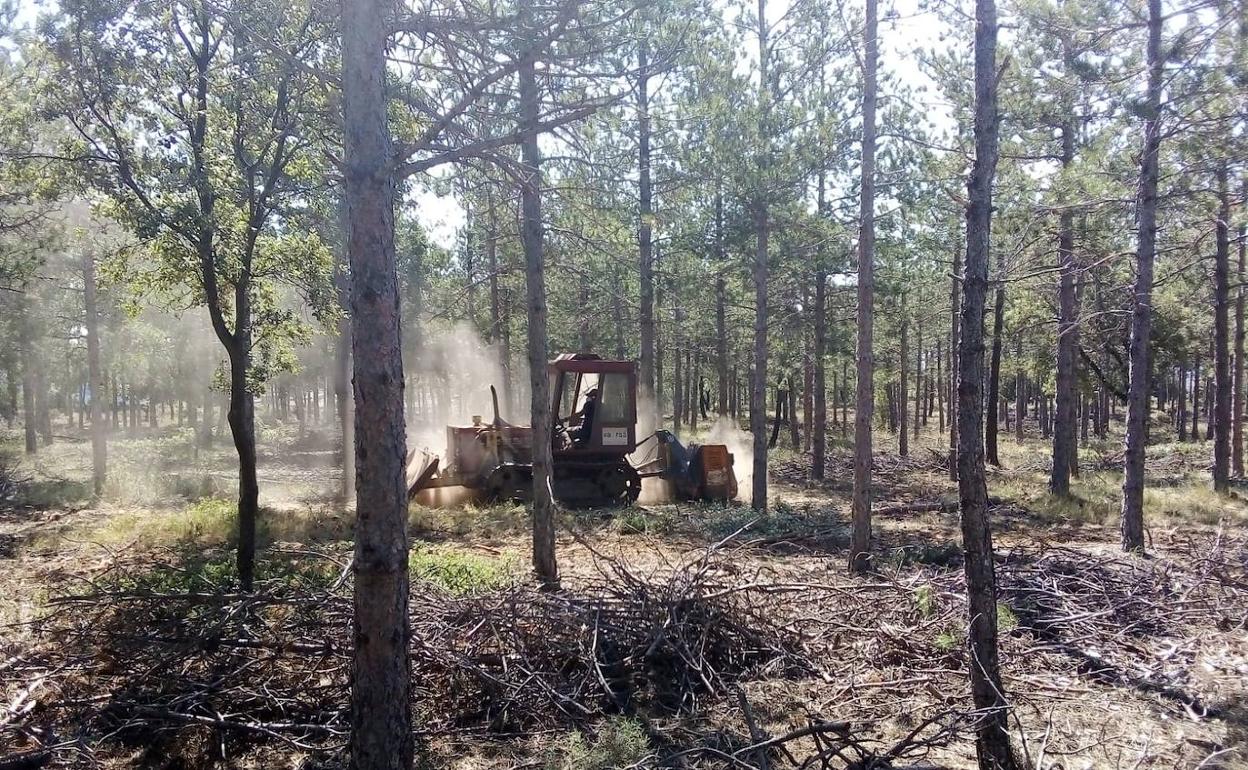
593,436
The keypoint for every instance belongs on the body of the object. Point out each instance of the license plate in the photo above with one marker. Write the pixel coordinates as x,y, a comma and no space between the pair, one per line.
615,436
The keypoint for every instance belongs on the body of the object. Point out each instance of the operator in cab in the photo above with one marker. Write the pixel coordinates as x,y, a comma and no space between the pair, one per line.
584,419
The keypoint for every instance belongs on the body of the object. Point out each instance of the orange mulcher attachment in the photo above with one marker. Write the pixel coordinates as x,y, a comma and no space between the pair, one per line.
718,481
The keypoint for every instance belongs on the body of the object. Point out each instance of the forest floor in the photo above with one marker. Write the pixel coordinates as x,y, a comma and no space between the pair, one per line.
684,635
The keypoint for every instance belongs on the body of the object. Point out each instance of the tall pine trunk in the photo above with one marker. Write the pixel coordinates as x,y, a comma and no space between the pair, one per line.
1221,339
992,743
758,390
918,379
30,417
1064,414
721,303
1020,394
381,734
940,387
819,441
903,434
95,376
860,537
1237,407
342,381
544,564
645,257
762,225
1141,299
955,312
994,368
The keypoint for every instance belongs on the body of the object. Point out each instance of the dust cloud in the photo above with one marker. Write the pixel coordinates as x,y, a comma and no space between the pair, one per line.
741,444
451,379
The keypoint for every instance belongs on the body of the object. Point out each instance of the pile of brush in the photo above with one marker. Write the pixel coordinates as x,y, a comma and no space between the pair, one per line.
617,642
150,666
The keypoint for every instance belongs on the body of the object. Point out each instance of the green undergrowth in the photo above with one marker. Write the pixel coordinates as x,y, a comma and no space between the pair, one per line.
714,522
462,572
616,742
1096,499
215,570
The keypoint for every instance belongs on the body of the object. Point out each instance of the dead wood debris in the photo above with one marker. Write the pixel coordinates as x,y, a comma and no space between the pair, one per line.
678,648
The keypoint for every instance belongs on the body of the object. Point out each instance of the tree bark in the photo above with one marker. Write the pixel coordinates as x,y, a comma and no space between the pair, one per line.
762,225
1237,419
43,410
342,380
95,376
30,415
1141,299
1196,400
955,312
242,421
1180,416
860,536
819,441
758,389
544,563
903,439
1020,395
721,303
381,733
992,743
1221,339
795,439
1237,405
918,379
644,239
994,368
1064,418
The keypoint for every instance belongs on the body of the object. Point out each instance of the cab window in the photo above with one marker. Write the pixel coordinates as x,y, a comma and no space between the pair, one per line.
613,403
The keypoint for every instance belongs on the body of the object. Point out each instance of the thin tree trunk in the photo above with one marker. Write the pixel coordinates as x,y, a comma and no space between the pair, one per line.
762,231
1181,408
644,243
860,537
721,303
819,441
342,383
43,411
940,387
1221,340
1196,399
1141,300
845,398
994,367
544,562
1064,419
95,376
918,379
901,405
1020,395
242,421
955,315
678,385
30,415
1210,416
1237,418
808,387
381,698
795,440
992,743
